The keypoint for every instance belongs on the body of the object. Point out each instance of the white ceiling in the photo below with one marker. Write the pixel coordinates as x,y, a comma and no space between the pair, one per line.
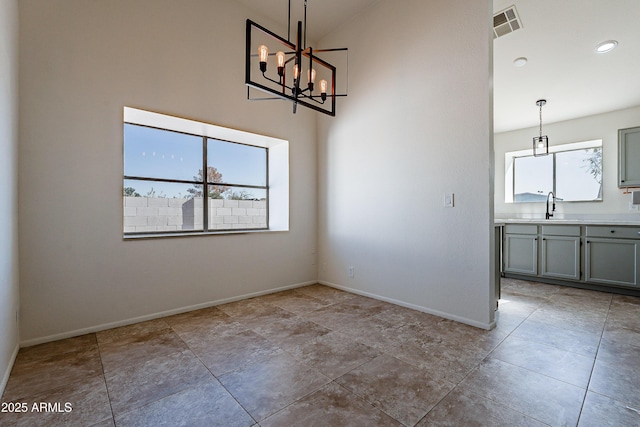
323,16
558,37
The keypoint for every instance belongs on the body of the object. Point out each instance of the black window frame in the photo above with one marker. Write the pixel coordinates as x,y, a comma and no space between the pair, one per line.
554,177
204,183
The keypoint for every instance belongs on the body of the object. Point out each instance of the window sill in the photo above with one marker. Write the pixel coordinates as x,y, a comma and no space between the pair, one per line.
146,236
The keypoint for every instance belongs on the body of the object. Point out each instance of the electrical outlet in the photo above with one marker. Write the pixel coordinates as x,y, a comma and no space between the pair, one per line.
351,271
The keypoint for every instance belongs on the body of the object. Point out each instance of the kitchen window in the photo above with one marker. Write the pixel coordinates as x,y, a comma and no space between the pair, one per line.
183,177
573,172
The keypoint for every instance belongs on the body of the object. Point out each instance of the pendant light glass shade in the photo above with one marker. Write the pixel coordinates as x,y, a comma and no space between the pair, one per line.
540,143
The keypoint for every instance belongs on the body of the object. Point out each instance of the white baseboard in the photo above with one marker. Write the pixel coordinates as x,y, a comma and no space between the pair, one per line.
481,325
7,372
102,327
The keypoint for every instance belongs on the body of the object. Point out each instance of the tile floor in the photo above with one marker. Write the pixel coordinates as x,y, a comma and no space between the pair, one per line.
317,356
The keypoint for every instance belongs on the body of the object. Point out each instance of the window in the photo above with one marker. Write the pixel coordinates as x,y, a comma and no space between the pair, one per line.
572,171
185,177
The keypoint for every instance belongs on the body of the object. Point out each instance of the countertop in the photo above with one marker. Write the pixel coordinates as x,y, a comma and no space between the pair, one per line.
561,221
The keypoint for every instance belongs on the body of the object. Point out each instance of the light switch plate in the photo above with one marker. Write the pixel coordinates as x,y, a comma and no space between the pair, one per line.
448,200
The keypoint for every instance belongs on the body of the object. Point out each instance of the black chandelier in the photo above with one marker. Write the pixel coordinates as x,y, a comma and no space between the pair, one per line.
292,61
540,143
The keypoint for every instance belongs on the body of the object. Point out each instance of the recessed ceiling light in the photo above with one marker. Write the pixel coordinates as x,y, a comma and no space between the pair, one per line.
520,62
607,46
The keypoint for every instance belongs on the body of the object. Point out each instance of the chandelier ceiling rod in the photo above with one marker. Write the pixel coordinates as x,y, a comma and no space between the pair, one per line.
305,24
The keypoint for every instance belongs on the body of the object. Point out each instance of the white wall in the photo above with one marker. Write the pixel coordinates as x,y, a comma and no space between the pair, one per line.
81,62
9,296
614,203
417,123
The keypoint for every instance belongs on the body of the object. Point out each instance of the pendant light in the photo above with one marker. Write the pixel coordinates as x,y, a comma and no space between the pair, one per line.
540,143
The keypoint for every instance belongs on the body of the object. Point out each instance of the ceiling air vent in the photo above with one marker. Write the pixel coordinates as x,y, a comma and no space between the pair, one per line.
506,22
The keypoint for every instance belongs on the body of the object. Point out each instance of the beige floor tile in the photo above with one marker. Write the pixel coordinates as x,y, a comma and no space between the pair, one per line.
244,307
334,354
268,386
56,348
559,364
291,333
572,319
223,350
75,404
326,294
523,287
132,333
466,409
555,335
538,396
205,318
261,315
137,349
295,302
448,361
335,317
106,423
402,391
620,347
37,375
373,335
277,356
625,312
601,411
205,405
160,377
618,382
332,405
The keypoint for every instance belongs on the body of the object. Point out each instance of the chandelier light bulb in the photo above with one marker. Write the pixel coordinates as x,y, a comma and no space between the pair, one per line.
263,53
323,89
311,78
280,61
323,86
296,71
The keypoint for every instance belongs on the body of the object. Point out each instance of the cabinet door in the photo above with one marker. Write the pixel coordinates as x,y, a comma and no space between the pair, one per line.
629,157
612,261
560,257
521,254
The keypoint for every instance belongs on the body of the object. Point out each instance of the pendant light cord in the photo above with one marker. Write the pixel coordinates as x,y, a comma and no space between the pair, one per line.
541,121
305,24
289,24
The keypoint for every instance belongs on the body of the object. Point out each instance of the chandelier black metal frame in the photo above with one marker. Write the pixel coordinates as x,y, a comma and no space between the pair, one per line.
292,61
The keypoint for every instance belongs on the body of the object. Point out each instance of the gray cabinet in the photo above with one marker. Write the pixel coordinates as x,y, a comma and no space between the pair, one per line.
521,249
570,253
612,256
560,252
629,157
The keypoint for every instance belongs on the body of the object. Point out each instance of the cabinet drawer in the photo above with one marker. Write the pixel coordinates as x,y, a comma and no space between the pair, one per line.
561,230
613,232
521,229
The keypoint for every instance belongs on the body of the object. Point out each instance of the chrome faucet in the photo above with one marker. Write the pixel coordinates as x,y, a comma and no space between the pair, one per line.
553,206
